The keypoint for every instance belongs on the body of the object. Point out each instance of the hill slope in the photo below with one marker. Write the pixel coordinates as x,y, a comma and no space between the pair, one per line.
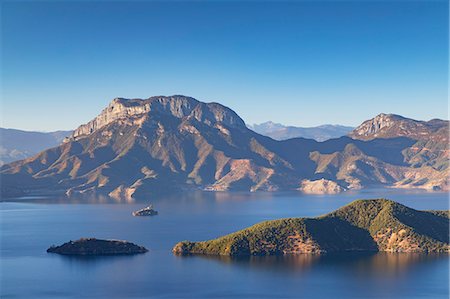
363,225
428,158
392,125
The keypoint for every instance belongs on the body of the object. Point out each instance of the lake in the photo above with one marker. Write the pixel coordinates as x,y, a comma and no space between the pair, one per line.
30,225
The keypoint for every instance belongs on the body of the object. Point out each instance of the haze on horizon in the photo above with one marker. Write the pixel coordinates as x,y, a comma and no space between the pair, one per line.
297,63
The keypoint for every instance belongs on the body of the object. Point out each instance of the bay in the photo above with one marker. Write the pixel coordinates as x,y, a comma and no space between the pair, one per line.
30,225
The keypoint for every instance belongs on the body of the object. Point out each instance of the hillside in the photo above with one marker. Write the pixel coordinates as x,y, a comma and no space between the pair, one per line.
428,157
363,225
281,132
136,147
17,144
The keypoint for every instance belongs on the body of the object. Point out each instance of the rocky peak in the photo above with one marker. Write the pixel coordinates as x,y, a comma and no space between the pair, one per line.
176,106
376,124
392,125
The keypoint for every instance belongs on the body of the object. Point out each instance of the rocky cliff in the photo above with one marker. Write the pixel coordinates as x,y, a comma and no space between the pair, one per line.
155,145
175,106
392,126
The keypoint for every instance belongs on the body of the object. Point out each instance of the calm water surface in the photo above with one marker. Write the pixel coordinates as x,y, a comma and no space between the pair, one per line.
30,225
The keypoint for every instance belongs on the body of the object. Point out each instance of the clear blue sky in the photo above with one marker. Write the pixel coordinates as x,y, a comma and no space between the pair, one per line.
300,63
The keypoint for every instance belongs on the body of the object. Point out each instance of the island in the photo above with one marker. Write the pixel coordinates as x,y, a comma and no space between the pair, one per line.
92,246
147,211
361,226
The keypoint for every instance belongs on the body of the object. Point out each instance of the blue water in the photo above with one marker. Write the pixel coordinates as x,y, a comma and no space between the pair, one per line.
30,225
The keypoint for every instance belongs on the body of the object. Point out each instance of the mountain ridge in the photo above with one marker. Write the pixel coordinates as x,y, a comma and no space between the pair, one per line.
279,131
20,144
177,106
162,144
392,125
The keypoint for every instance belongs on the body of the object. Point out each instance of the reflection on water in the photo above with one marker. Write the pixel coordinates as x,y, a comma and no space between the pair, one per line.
392,264
94,259
389,264
408,197
197,196
273,204
288,262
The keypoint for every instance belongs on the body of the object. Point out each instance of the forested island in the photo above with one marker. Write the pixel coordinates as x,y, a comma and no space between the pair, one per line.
363,225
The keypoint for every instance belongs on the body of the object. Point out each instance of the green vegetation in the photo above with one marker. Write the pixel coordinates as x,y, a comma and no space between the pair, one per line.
363,225
92,246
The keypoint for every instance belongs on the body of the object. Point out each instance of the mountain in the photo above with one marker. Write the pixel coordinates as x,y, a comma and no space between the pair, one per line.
153,145
363,225
432,137
18,144
137,147
281,132
430,153
392,126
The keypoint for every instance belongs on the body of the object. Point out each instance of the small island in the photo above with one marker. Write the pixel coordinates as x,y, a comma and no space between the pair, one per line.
361,226
92,246
147,211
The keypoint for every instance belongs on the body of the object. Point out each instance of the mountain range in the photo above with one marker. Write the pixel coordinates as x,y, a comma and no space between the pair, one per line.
281,132
136,147
19,144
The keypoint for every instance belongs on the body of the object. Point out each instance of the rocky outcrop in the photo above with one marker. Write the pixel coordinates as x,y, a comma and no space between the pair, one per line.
92,246
175,106
363,225
426,177
321,186
392,126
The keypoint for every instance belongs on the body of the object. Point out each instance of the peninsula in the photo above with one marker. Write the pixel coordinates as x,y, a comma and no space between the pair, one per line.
363,225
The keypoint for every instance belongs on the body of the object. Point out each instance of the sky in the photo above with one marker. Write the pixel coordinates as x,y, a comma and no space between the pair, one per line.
302,63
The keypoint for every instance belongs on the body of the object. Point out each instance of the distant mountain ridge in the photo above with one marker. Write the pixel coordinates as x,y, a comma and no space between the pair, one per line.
18,144
278,131
161,144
